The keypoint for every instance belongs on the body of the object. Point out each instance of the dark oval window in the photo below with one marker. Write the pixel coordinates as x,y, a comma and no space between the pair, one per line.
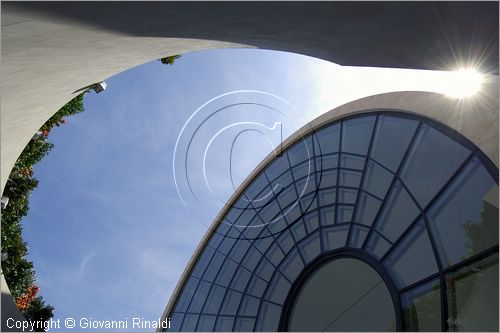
345,294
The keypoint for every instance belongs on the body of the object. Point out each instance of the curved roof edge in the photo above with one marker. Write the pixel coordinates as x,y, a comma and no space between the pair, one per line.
475,118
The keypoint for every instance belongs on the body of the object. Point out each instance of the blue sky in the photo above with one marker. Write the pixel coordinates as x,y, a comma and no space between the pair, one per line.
107,232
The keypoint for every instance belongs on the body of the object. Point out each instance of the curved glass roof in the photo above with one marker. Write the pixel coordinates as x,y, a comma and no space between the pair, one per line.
402,190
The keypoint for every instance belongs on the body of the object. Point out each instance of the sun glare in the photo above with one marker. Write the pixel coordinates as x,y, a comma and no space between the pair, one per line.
463,83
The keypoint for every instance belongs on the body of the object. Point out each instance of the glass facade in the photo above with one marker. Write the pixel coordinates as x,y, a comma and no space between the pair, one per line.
396,190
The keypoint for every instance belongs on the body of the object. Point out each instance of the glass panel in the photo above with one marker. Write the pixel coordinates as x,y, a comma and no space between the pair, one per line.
303,170
399,212
224,324
187,294
256,187
422,308
413,258
301,151
343,295
391,140
328,139
344,214
287,196
225,225
298,231
215,240
358,235
214,300
270,212
255,229
226,245
199,297
262,198
269,318
334,237
367,209
249,306
257,287
310,248
275,255
231,303
308,202
464,220
252,258
292,265
278,289
347,196
237,208
377,180
175,322
327,215
432,160
189,324
311,221
277,224
214,267
356,134
352,162
246,217
202,263
349,178
292,213
265,269
326,162
239,249
473,297
286,241
328,178
226,272
244,324
241,279
263,243
206,324
327,197
277,167
306,185
282,182
377,245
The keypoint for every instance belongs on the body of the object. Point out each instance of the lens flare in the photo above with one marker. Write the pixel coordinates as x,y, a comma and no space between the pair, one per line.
463,83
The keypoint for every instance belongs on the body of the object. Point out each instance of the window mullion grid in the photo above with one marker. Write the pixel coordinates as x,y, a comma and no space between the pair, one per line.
217,275
422,215
198,286
362,179
253,274
341,131
227,257
443,289
288,226
276,271
391,186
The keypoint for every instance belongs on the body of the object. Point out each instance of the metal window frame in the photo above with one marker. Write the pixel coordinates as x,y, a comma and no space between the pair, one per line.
347,250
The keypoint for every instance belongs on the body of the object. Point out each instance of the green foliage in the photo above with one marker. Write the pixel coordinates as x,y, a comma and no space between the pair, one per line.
71,108
18,271
32,154
39,311
169,60
16,268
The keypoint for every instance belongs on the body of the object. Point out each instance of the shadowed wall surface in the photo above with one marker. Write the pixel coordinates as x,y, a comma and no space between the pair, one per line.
51,50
